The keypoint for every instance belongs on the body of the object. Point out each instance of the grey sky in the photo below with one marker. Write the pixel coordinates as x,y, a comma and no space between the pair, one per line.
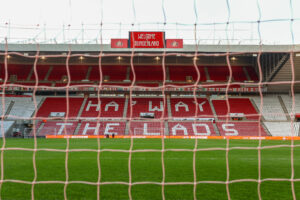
19,20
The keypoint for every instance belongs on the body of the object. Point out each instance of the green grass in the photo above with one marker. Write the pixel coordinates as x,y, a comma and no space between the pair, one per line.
147,166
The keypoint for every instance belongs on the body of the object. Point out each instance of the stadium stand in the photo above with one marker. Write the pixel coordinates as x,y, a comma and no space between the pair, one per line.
271,110
283,128
22,107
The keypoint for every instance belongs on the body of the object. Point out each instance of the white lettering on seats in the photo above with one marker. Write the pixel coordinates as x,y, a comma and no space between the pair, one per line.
112,104
181,104
62,126
93,105
86,128
109,127
146,130
201,106
231,131
179,127
201,125
155,108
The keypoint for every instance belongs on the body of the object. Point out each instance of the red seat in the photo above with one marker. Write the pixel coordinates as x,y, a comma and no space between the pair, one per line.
179,73
57,73
42,71
78,72
147,73
59,104
238,74
218,73
237,105
252,73
21,71
115,73
241,129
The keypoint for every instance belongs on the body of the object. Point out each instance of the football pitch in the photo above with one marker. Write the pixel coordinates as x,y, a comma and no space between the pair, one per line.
147,169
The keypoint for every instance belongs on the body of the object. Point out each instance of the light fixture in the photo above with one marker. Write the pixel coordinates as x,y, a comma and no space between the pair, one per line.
195,58
233,58
157,58
8,56
81,58
119,58
65,80
297,54
43,57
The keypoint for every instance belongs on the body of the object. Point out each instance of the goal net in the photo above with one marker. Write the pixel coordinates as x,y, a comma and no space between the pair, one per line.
217,100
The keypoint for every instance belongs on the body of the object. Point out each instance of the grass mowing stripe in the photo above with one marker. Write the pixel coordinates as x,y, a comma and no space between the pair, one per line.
146,166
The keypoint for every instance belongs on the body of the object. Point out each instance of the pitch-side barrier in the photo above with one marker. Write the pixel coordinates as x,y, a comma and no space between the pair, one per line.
178,137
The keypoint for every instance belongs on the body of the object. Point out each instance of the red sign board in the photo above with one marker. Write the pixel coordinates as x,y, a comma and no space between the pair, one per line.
147,39
119,43
174,43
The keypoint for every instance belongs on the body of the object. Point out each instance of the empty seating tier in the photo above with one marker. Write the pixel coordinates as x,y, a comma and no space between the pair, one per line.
271,108
236,105
180,73
58,105
21,71
113,73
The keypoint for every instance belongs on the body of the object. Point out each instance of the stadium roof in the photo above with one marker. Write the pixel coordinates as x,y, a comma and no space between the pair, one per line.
186,48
